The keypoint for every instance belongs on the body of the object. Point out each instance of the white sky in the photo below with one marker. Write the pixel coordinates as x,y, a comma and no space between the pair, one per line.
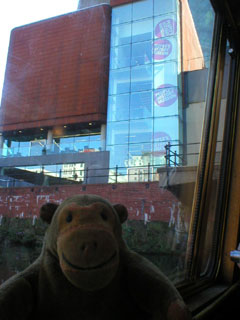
14,13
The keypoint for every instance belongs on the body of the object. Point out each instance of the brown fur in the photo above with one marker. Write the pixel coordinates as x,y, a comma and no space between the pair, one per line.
86,271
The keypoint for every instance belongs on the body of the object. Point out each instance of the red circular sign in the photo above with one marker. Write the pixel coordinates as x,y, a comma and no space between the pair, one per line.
166,28
162,48
165,95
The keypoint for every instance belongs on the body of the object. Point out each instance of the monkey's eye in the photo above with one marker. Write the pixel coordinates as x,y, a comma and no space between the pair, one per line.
69,217
104,216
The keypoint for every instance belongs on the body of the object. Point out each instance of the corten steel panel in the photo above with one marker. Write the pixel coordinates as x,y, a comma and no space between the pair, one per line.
57,71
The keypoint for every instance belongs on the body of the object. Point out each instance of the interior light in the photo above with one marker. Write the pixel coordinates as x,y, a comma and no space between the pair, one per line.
41,129
19,131
90,123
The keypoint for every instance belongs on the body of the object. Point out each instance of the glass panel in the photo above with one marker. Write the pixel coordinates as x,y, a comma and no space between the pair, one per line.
165,49
67,145
121,34
166,101
119,157
120,57
142,9
163,7
142,30
81,143
141,105
118,107
165,26
166,126
24,148
117,132
152,128
141,78
119,81
141,53
141,131
210,236
140,154
122,14
165,74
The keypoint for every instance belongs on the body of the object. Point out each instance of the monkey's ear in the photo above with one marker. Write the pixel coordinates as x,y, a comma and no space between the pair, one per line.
47,211
121,211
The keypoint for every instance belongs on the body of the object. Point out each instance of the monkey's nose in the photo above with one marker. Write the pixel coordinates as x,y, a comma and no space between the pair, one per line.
89,248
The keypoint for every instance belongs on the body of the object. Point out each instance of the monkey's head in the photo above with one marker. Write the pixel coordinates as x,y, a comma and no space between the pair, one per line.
85,236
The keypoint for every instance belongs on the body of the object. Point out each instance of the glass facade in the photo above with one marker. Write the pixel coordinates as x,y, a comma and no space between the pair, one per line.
144,105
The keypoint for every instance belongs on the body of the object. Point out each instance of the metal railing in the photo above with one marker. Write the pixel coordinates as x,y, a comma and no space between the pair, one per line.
175,155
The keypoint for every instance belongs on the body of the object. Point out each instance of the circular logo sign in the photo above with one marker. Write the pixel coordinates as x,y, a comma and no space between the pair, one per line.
162,48
166,28
165,95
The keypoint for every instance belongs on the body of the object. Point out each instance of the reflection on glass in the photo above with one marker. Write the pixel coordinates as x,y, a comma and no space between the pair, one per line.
118,132
166,101
119,81
165,26
140,154
119,156
141,130
165,49
120,57
153,128
141,78
122,14
142,9
165,74
163,7
142,30
121,34
141,105
118,107
215,183
141,53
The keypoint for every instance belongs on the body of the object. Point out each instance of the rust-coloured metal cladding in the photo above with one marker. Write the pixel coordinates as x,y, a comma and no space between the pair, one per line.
57,71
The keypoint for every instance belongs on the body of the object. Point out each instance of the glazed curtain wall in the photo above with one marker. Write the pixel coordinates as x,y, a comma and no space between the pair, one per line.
144,103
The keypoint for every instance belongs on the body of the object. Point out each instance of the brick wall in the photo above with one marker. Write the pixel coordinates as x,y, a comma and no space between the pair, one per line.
145,201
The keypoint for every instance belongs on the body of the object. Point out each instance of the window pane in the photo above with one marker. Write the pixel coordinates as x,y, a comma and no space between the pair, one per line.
166,101
210,237
120,57
118,107
141,105
142,9
122,14
163,7
142,30
144,111
165,74
119,81
141,78
119,157
141,131
117,133
167,126
141,53
165,26
165,49
121,34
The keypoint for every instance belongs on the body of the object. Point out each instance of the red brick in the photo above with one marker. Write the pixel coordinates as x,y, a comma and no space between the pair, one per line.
139,198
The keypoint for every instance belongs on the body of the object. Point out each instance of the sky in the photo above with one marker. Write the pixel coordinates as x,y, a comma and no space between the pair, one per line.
15,13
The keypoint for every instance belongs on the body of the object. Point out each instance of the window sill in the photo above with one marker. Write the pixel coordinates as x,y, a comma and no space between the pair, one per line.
208,303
